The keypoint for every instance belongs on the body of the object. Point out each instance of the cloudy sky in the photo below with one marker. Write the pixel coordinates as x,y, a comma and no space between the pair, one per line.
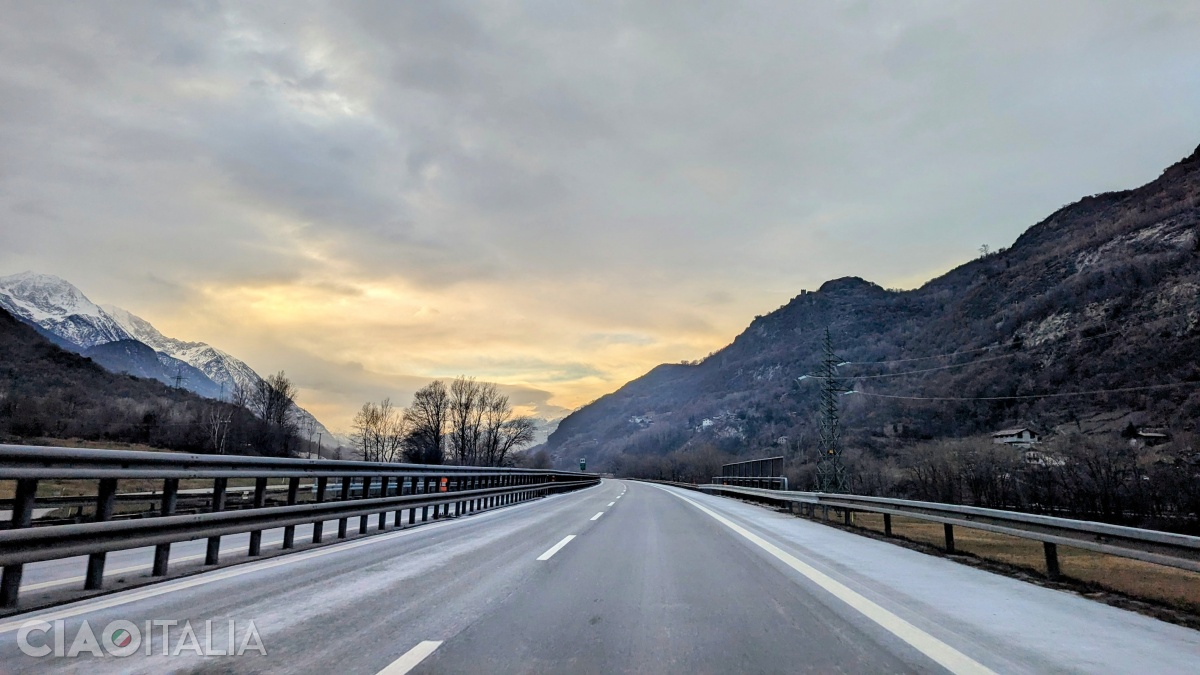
552,195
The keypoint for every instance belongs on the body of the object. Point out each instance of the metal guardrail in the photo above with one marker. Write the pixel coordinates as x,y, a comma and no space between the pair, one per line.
753,481
1163,548
366,488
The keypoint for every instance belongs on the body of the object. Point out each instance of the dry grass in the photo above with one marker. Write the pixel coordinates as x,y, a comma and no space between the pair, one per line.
1175,588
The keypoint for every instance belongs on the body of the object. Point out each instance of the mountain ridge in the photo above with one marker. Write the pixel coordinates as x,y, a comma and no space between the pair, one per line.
1038,315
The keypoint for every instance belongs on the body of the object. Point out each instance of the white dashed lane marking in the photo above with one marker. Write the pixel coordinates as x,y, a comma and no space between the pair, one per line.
556,548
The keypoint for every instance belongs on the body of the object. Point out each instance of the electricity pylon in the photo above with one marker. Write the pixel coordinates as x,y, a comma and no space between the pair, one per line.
831,472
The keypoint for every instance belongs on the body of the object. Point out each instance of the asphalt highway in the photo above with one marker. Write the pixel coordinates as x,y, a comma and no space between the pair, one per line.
624,577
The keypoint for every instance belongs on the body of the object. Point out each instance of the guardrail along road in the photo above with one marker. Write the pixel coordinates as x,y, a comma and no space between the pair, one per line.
613,577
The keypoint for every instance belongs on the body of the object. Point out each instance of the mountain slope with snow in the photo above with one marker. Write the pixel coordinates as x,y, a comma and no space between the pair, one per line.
228,372
60,308
62,313
140,360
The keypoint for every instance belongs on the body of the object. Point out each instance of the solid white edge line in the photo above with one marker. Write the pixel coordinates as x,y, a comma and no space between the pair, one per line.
163,588
556,548
41,585
597,516
411,658
948,657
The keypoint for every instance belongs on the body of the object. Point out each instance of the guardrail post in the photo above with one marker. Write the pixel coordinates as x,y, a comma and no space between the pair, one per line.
887,524
162,552
345,496
846,517
412,512
398,521
319,526
22,516
383,488
1052,569
289,532
213,554
362,520
425,491
260,499
949,537
105,500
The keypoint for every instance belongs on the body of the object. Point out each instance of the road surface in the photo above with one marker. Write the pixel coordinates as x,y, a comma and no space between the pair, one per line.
624,577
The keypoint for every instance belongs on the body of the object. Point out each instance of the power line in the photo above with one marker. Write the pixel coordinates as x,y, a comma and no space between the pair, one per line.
914,372
1024,397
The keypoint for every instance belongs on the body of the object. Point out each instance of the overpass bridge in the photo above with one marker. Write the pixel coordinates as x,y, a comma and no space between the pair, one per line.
512,572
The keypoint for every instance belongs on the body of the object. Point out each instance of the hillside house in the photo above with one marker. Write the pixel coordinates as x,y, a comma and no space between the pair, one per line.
1018,437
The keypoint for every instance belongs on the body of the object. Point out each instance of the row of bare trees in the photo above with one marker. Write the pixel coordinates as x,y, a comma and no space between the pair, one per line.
1092,478
469,423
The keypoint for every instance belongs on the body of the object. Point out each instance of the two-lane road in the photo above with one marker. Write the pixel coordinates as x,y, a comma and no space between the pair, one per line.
621,578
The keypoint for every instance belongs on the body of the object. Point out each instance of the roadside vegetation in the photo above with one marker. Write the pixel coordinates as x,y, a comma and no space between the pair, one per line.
468,423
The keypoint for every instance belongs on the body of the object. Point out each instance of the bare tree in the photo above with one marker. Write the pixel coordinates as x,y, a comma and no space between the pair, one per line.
379,431
514,434
501,432
466,418
426,421
216,426
273,400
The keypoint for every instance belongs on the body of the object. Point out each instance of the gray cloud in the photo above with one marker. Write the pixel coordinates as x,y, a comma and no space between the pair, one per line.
643,170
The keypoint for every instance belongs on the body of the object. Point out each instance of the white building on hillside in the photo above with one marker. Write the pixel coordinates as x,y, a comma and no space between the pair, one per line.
1019,437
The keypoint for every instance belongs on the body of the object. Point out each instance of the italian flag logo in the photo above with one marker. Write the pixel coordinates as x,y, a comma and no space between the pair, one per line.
121,637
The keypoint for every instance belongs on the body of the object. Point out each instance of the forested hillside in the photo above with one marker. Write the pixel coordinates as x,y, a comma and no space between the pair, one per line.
1101,296
49,393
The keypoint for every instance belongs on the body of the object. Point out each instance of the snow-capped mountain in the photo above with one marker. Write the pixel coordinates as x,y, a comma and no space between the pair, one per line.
227,371
139,359
59,308
61,312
